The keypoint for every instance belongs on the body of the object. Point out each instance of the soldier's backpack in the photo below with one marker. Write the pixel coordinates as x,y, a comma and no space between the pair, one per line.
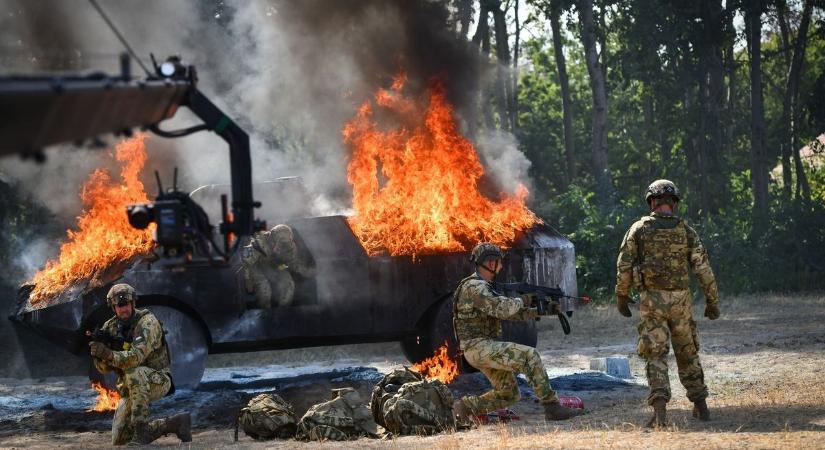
387,387
342,418
420,407
267,416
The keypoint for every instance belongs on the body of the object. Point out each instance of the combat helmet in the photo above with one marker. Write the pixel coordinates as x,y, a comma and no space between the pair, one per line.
660,188
484,251
120,294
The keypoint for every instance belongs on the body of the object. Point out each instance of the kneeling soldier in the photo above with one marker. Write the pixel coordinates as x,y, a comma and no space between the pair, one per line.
142,371
478,312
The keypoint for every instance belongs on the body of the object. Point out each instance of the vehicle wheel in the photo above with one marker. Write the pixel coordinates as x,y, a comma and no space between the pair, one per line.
438,331
521,332
187,345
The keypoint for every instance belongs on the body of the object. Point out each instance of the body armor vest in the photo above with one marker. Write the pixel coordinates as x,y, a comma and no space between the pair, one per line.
470,322
664,252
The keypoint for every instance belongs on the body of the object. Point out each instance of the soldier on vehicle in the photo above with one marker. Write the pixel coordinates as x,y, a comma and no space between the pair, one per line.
269,262
142,368
478,312
656,256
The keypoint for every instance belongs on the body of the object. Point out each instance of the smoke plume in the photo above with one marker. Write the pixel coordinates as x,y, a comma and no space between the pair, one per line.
291,73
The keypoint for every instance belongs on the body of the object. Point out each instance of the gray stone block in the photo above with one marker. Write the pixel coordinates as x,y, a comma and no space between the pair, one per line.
617,366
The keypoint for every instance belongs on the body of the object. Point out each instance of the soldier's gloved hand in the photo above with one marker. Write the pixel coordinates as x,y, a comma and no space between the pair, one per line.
100,351
622,302
712,310
532,314
529,299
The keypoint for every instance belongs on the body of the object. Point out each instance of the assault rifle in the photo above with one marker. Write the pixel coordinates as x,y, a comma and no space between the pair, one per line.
114,342
548,300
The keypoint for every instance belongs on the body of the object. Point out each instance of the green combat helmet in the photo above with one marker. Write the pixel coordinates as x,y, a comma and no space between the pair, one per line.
660,188
121,294
485,251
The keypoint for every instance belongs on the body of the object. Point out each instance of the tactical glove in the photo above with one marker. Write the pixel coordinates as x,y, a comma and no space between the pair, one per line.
712,310
532,314
528,299
622,302
100,351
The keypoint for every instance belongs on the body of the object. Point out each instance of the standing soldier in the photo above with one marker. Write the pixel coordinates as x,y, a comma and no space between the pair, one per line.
478,311
655,258
142,368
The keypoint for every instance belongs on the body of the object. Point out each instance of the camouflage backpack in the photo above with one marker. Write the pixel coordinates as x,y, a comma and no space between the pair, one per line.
387,387
342,418
267,416
420,407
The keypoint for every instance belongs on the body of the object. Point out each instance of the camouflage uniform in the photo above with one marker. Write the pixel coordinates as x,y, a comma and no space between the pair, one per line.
479,311
269,261
142,372
656,256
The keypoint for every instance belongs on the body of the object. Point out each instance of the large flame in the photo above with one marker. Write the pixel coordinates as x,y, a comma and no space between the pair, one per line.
415,188
438,367
103,234
106,400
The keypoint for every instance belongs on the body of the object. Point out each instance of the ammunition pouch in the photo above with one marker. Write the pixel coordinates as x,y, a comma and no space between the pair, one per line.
638,283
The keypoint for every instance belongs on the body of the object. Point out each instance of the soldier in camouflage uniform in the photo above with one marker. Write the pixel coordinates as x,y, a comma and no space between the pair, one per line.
655,258
142,368
269,261
478,312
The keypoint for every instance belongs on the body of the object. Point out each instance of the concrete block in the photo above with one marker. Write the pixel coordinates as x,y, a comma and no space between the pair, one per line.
617,366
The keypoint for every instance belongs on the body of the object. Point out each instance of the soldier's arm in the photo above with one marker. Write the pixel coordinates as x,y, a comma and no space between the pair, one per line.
700,265
147,340
490,303
101,366
624,263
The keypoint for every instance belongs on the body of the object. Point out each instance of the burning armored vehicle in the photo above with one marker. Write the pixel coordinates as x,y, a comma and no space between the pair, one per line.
370,282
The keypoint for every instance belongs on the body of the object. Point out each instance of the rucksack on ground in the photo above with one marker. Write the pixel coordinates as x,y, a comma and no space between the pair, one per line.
267,416
342,418
387,387
419,407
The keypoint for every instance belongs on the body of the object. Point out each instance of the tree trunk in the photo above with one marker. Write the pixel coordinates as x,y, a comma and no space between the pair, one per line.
730,57
481,38
516,49
759,175
713,77
566,102
504,86
792,94
601,170
785,128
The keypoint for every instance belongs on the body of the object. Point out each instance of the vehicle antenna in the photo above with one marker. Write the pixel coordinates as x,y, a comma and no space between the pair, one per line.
175,180
119,36
160,185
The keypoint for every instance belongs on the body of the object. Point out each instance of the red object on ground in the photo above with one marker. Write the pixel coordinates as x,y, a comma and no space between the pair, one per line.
571,401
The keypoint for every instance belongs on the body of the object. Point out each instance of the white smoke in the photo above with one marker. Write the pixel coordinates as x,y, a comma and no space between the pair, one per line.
504,162
290,73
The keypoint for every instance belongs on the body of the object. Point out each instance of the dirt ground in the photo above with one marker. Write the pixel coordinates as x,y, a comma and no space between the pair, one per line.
764,361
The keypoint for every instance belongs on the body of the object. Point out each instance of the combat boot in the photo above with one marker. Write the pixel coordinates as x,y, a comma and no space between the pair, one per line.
462,413
181,425
557,411
143,435
659,418
700,410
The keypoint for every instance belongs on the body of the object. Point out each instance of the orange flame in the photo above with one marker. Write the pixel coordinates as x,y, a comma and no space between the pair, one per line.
106,400
438,367
104,235
415,188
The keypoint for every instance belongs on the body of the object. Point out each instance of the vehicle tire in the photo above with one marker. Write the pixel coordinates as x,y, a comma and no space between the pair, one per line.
188,349
438,330
521,332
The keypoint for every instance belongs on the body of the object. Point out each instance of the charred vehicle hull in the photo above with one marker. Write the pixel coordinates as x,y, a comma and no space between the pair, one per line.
352,298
